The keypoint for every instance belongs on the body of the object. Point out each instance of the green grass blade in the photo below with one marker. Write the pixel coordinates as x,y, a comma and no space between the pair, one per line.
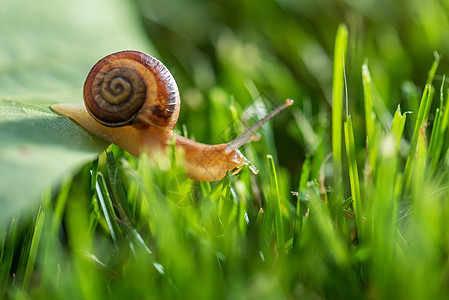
439,130
398,125
341,42
205,188
95,213
437,123
117,189
276,205
34,247
94,177
354,177
420,160
108,209
8,246
383,216
435,132
370,118
424,107
305,173
423,112
434,68
243,215
61,201
320,216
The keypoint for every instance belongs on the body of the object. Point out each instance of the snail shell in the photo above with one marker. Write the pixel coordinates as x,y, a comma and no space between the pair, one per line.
129,87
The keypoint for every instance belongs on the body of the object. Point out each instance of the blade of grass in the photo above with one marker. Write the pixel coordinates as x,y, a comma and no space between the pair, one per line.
205,188
276,205
117,190
243,216
424,107
93,181
411,95
354,177
398,125
305,173
118,197
95,211
341,42
61,201
382,221
434,68
370,118
260,217
368,101
435,132
133,188
8,255
439,130
108,209
34,247
420,160
137,243
423,112
322,219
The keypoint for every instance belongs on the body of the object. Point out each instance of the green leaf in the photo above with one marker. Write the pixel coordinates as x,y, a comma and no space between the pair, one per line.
44,59
37,147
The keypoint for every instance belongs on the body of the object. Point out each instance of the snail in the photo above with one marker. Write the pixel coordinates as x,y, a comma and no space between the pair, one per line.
132,100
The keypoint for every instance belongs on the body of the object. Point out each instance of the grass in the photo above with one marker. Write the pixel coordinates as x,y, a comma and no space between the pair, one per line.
365,217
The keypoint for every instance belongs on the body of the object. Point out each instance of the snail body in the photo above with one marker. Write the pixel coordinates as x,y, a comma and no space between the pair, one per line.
132,100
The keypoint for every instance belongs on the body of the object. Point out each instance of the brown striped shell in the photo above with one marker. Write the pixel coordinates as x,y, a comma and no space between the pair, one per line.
128,87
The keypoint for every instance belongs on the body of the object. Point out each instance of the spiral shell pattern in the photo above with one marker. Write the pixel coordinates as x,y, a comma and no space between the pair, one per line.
130,87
